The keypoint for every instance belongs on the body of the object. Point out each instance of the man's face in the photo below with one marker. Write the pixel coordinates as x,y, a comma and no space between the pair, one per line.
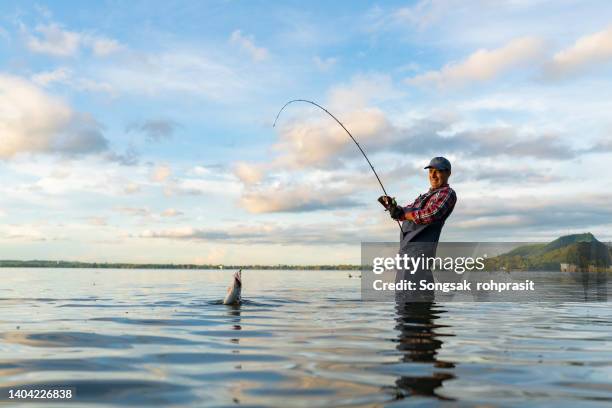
437,178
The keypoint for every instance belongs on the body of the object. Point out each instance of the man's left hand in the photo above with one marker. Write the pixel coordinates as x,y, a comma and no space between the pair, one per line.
397,213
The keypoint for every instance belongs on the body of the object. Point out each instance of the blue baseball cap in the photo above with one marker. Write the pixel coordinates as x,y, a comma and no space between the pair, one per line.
439,163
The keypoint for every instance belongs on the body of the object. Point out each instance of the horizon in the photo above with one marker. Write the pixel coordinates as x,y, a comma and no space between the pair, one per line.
254,266
130,139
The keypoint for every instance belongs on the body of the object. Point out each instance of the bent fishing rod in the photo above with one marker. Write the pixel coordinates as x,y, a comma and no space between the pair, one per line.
345,129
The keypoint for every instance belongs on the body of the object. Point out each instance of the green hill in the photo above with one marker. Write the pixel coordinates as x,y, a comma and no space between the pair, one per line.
581,250
571,239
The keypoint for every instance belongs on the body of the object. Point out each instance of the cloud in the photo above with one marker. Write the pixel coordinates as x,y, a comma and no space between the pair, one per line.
97,221
247,43
182,71
249,173
128,158
48,77
131,188
601,146
65,182
134,211
436,136
160,173
324,64
305,234
587,52
423,14
297,198
498,221
363,91
322,142
171,212
505,173
102,46
53,39
187,233
25,233
484,64
29,232
508,141
35,122
218,185
527,214
155,130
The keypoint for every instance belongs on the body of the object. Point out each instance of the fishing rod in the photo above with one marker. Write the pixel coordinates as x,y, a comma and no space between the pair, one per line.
345,129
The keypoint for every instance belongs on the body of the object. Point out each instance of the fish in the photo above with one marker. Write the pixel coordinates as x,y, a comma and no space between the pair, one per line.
234,290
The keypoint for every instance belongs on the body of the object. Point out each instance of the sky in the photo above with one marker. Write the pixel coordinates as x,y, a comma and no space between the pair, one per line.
142,131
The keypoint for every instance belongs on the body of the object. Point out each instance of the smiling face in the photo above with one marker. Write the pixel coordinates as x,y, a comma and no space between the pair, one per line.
437,178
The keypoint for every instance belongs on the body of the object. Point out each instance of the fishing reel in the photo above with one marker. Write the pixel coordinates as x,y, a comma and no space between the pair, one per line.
395,211
387,202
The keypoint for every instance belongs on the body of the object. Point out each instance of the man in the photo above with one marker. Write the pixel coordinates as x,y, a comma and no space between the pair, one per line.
424,218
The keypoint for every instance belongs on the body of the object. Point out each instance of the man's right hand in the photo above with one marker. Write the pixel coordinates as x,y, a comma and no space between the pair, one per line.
397,213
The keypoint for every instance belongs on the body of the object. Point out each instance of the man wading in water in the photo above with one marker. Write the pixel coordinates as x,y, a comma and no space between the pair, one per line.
422,222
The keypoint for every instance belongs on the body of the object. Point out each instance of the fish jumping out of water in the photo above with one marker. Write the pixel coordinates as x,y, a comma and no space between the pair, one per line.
233,291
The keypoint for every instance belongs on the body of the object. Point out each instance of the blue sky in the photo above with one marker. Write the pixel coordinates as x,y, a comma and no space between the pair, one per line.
141,131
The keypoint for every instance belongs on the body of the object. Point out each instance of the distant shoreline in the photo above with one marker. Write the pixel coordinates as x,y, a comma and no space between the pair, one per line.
108,265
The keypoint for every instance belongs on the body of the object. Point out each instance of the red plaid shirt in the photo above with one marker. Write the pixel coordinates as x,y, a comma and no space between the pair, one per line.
435,205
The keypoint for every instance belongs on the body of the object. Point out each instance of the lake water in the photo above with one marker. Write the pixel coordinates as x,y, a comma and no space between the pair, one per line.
301,338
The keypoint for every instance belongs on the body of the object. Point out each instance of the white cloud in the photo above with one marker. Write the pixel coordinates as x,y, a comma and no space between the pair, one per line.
319,142
247,43
296,198
32,121
424,13
102,46
215,255
45,78
484,64
249,173
131,188
324,64
97,221
50,180
161,173
586,52
54,40
491,222
362,91
134,211
185,71
29,232
216,185
171,212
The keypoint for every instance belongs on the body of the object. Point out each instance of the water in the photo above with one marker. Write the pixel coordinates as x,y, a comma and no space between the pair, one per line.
302,338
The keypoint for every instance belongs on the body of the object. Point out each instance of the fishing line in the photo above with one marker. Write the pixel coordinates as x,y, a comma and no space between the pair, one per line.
345,129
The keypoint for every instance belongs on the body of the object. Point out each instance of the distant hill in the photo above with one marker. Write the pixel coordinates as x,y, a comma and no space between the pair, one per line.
581,250
571,239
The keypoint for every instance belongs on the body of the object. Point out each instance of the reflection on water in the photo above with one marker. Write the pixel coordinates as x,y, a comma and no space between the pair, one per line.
594,285
300,338
419,342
